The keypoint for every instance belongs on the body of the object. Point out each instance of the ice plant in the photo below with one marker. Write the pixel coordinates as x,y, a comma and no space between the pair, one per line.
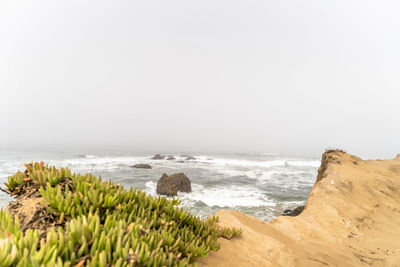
100,223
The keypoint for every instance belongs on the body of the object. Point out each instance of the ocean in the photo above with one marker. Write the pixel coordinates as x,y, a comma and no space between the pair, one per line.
262,185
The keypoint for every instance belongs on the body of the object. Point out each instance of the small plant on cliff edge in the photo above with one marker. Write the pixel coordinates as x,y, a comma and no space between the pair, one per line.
102,224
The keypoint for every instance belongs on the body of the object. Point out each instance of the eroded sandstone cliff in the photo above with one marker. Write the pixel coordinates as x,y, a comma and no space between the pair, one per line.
351,218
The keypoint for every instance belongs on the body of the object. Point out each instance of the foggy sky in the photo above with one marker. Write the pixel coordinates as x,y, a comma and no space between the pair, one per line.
243,76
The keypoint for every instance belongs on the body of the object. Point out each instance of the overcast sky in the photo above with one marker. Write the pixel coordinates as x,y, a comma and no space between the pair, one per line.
292,77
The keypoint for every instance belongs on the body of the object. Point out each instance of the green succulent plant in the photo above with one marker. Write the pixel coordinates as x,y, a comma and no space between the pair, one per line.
102,224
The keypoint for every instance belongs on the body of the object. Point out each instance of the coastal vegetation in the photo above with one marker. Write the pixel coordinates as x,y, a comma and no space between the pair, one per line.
85,221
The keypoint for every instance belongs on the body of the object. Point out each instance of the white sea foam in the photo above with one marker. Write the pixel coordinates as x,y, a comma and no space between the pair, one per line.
95,163
9,168
232,181
92,162
231,196
262,164
309,163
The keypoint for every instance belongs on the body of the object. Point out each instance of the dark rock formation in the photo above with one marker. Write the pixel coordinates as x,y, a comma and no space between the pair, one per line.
170,157
294,212
188,157
141,166
157,156
170,185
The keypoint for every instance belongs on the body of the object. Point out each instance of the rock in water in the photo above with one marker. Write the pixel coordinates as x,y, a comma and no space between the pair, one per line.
157,156
188,157
170,185
141,166
294,212
170,157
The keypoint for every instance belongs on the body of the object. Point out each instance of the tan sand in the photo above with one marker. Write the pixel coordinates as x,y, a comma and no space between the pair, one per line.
351,218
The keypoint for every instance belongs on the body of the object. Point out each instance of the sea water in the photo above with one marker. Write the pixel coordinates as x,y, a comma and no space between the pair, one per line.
262,185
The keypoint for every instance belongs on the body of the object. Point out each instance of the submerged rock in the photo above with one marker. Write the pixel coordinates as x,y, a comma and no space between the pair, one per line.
170,157
172,184
188,157
141,166
294,212
157,156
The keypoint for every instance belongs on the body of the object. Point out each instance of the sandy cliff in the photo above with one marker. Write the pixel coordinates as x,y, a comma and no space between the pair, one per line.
351,218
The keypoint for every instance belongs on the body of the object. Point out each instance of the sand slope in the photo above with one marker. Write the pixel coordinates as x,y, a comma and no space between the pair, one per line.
351,218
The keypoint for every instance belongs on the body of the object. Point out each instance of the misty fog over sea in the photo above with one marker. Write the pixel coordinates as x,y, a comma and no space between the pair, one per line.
262,185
